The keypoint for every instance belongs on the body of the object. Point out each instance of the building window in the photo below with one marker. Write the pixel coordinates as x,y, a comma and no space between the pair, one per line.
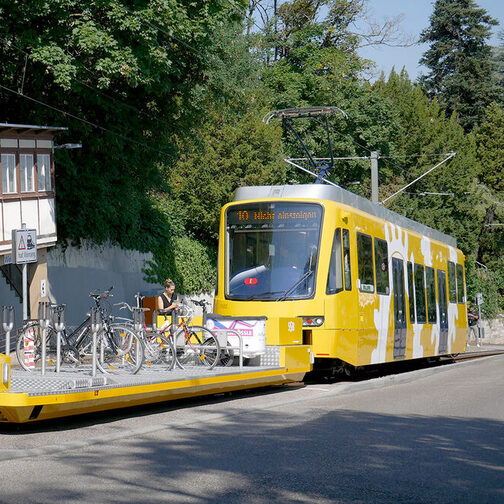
365,262
26,172
44,172
8,173
381,266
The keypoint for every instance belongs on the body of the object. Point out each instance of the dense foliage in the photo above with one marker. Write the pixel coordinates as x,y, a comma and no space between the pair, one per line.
168,97
459,59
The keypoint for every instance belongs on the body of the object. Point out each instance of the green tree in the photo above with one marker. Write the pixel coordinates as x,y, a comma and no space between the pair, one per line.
498,64
446,199
124,77
490,138
318,65
224,155
459,59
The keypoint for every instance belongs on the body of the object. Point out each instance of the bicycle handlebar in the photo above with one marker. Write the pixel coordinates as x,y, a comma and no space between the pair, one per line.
123,305
96,294
203,304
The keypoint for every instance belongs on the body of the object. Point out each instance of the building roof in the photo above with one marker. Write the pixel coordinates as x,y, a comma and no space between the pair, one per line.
24,129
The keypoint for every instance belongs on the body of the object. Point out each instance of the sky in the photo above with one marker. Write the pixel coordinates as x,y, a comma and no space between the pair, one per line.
416,14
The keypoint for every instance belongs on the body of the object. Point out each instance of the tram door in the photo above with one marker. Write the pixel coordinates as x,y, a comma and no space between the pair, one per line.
443,312
399,308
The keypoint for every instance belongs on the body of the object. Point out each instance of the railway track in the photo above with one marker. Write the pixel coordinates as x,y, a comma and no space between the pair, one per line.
476,355
369,372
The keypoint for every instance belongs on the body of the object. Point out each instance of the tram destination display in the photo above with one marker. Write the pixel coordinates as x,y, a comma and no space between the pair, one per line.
274,215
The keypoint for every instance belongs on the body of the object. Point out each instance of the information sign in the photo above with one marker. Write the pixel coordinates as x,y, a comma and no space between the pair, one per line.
24,246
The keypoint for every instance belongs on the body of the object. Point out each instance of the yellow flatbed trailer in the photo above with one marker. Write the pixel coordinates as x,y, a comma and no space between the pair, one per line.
29,396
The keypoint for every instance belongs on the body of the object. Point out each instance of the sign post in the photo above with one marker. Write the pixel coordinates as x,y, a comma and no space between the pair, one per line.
24,251
481,329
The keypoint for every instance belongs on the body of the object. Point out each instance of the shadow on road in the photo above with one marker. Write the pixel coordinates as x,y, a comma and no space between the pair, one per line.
337,456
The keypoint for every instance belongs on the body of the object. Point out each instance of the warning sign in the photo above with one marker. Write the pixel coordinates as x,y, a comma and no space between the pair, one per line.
24,245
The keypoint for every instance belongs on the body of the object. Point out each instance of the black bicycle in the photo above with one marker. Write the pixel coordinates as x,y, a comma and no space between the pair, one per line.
117,345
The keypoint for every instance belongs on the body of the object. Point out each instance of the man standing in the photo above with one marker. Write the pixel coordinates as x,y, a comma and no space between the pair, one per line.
473,322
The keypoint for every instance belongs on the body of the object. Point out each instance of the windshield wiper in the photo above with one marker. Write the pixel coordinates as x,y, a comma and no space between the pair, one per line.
300,280
260,294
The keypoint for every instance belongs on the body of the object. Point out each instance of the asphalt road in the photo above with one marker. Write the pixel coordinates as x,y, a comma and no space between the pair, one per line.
428,436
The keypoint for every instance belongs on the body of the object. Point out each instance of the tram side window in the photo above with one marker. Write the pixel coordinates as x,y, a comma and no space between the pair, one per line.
365,262
335,279
460,284
420,294
431,295
452,283
346,259
381,266
410,293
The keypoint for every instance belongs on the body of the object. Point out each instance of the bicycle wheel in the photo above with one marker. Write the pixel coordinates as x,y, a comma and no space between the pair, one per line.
29,348
158,350
118,350
226,358
197,345
85,342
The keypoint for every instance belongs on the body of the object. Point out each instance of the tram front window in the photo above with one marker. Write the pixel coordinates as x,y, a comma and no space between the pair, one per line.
272,250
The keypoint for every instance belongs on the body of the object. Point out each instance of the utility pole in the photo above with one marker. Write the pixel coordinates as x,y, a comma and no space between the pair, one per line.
374,177
276,28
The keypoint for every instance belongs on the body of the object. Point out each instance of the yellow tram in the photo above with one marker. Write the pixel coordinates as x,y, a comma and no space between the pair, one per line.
369,285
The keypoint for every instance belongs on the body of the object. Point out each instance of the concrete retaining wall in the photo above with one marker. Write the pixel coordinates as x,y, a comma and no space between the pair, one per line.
494,330
76,271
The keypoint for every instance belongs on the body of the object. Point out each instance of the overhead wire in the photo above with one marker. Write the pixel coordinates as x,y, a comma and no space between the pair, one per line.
131,107
90,123
94,125
75,117
92,88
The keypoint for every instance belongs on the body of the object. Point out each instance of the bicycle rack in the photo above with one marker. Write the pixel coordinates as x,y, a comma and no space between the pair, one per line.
7,325
138,324
225,332
58,320
96,325
44,315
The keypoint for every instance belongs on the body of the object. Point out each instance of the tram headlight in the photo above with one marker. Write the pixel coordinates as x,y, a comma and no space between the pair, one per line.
315,321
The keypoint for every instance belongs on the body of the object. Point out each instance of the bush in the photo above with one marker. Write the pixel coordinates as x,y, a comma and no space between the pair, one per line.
189,263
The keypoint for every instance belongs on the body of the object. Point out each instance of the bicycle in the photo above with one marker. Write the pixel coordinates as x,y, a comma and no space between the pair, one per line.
192,343
158,348
116,344
226,354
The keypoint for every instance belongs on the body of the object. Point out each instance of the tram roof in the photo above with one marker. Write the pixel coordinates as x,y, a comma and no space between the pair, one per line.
340,195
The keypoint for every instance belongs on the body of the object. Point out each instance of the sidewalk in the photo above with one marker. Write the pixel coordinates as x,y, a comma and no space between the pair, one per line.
485,347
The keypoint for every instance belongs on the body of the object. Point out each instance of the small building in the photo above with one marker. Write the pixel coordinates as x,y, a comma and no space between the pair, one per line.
27,197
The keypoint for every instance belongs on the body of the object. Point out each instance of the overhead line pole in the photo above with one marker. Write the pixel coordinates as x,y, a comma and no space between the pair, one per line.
374,177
